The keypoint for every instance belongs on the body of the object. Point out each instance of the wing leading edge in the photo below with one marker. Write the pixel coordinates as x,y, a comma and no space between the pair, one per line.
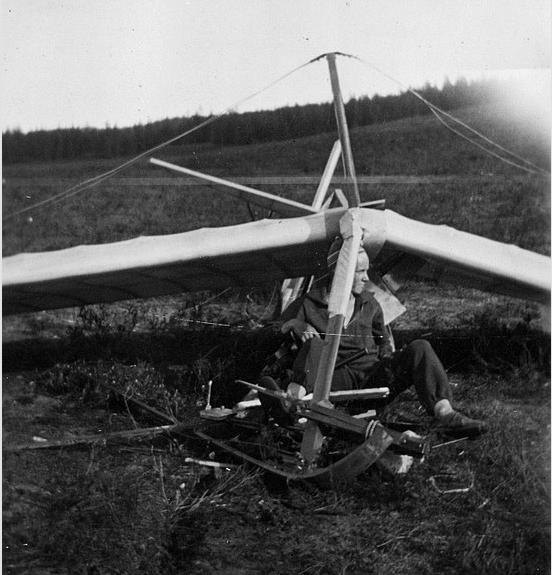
460,257
255,253
207,258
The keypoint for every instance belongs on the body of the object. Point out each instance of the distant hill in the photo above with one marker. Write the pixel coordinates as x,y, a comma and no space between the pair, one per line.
235,129
417,145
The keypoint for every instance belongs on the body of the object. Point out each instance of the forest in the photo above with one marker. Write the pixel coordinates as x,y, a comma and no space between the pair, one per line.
233,128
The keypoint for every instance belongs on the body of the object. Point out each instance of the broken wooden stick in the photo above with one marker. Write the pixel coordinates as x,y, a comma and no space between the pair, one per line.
114,436
335,396
135,404
208,463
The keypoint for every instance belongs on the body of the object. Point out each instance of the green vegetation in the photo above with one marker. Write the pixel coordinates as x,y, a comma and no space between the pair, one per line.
234,129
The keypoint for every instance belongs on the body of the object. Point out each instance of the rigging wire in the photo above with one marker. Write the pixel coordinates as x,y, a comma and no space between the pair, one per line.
241,326
435,109
208,300
91,182
482,147
483,137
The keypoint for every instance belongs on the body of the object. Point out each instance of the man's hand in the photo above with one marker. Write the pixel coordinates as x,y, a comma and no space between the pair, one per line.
301,329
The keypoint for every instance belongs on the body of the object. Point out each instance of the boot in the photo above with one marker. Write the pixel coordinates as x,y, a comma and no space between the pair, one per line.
457,425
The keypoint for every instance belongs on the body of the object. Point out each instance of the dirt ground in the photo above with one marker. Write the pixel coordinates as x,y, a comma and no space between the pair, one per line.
137,507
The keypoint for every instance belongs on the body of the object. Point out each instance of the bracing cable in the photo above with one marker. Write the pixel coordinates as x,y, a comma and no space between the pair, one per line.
482,147
436,110
483,137
91,182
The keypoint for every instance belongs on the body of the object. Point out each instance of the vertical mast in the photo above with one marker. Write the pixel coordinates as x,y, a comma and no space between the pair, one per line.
343,131
351,232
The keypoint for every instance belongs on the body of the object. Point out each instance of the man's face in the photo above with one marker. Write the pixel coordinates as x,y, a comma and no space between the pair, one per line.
361,273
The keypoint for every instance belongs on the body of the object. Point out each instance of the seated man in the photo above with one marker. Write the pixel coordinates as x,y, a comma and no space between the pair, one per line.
366,342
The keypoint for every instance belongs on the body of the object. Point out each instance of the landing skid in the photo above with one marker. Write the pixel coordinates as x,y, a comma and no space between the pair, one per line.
342,471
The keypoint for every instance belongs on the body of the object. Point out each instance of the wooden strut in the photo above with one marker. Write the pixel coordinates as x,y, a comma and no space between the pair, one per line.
104,438
334,396
351,232
142,408
327,176
343,131
263,199
405,442
292,287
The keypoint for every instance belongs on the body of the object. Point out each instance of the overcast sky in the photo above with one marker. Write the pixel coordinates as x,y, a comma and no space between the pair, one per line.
122,62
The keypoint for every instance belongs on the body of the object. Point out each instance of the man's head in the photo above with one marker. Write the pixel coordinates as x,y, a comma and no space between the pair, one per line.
361,272
362,265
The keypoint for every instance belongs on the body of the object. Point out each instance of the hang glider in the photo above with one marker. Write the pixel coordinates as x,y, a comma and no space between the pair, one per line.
276,249
258,252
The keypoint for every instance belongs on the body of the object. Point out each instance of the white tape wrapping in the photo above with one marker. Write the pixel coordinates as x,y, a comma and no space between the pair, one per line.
351,231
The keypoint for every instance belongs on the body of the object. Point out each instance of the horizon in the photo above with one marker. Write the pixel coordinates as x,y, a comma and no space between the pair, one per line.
518,80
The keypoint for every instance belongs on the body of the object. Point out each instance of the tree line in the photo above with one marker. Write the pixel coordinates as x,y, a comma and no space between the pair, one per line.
235,129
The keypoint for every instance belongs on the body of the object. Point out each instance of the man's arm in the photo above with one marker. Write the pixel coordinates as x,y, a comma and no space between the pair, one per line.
295,321
301,329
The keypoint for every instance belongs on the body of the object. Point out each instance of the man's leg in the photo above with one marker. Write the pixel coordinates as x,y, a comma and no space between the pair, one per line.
419,365
306,366
273,407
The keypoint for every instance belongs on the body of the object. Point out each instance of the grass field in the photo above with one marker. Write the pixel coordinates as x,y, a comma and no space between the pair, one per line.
495,201
137,508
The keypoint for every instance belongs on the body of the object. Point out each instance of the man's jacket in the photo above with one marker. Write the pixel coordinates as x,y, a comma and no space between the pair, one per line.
365,329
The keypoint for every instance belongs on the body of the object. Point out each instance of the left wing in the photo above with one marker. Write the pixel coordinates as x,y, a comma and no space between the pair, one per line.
208,258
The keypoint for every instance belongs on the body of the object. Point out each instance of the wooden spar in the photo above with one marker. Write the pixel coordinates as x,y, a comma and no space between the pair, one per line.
341,197
342,284
343,131
327,176
351,232
335,396
338,300
263,199
104,438
354,394
292,287
136,405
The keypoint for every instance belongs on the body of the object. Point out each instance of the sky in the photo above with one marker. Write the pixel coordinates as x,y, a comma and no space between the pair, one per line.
123,62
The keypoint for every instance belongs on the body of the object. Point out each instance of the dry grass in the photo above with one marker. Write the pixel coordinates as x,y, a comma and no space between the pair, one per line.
140,510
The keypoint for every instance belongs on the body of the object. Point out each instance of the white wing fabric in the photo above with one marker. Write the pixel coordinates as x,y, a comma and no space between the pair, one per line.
255,253
459,257
208,258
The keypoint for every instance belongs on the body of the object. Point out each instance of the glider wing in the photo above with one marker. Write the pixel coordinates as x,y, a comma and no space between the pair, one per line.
259,252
